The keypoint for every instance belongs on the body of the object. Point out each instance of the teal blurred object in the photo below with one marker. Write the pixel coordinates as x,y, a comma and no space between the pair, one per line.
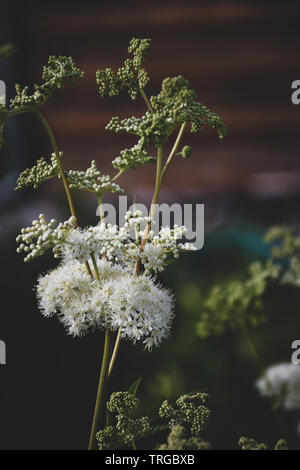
244,238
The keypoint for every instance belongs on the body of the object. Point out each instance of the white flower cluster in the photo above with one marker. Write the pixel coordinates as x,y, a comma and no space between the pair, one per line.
116,244
165,242
142,309
41,236
154,254
66,291
283,382
103,239
123,245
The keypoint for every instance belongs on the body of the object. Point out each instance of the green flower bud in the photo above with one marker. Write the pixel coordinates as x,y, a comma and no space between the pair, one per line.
186,151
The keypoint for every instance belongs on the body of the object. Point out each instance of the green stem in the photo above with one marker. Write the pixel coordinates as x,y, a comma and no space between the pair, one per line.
138,264
104,373
118,175
101,389
148,104
173,151
115,352
95,267
160,174
62,174
58,159
159,164
158,182
153,203
105,357
156,192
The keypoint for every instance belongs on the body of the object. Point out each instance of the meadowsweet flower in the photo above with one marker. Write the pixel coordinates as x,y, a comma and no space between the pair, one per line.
106,277
153,257
167,240
117,244
155,252
281,381
41,236
103,239
66,291
142,309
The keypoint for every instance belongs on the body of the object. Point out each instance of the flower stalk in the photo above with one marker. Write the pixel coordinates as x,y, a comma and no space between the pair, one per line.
108,335
59,163
109,296
101,388
62,174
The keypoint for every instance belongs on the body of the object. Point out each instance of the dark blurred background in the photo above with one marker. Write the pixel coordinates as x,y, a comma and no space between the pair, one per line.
241,58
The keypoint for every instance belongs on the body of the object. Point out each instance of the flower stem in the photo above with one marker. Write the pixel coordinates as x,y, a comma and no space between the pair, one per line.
107,342
138,264
155,197
173,151
104,373
148,104
105,357
62,174
160,174
101,388
95,267
115,353
118,175
58,159
157,180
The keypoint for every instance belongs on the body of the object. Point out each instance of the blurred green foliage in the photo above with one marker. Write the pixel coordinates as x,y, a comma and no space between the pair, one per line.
7,51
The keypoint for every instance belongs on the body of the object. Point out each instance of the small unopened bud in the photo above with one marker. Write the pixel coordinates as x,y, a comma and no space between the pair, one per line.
186,151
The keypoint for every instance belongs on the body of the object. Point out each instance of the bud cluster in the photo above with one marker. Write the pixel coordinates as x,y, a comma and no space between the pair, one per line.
41,236
59,71
127,428
92,180
39,173
189,411
131,75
